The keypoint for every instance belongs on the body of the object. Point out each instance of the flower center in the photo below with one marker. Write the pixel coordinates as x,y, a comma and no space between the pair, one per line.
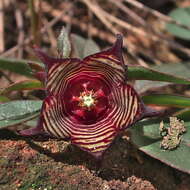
87,99
90,103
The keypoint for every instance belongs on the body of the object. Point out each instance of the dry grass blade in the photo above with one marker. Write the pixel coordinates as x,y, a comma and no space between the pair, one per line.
28,40
155,13
92,30
7,77
2,43
34,19
129,12
155,37
52,39
19,22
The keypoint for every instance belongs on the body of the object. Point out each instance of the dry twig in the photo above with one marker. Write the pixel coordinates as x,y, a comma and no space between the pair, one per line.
19,22
29,39
129,12
34,20
155,37
51,35
2,43
155,13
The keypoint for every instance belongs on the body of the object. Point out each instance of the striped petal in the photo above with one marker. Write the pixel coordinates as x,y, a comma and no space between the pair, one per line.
112,56
110,62
52,118
57,70
59,75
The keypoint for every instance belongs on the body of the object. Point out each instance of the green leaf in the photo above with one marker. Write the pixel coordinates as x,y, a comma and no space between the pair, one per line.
90,47
183,114
37,66
145,135
179,69
181,15
63,44
84,47
10,122
16,112
4,99
167,100
32,123
165,74
23,85
78,43
142,73
16,66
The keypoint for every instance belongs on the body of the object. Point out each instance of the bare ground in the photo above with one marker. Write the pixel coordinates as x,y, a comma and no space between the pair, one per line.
49,164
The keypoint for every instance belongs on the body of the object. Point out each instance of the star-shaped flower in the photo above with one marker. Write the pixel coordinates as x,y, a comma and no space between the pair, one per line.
88,101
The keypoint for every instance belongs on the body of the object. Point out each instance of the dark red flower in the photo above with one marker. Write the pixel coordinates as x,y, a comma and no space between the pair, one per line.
88,101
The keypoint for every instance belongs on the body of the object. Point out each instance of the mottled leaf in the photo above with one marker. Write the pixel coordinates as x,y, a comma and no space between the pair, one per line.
145,135
181,15
90,47
78,43
84,47
63,44
16,112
